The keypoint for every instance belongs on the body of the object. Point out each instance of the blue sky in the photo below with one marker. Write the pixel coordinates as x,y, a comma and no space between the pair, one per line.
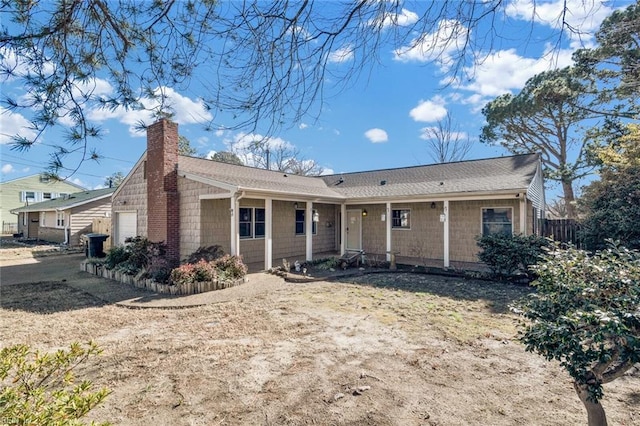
378,122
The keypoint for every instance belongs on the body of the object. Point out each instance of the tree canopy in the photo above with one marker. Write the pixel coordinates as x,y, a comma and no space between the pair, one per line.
267,61
544,117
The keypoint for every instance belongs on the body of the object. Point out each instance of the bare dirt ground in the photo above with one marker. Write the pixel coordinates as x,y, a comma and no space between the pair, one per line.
389,349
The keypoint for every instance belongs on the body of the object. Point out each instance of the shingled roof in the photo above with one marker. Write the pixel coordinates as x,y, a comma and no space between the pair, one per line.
68,201
501,174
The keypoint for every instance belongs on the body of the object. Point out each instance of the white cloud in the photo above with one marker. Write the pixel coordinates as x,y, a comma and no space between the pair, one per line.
402,19
427,133
583,17
7,168
202,140
376,135
343,54
210,154
429,111
186,111
303,126
440,46
503,71
13,124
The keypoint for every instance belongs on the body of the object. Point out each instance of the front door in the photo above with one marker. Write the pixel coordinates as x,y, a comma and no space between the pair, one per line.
354,229
33,224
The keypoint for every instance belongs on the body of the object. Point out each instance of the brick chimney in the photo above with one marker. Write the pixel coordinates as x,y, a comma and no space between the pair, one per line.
163,209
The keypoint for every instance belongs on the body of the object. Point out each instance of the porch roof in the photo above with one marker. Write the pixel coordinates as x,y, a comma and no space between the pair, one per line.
502,174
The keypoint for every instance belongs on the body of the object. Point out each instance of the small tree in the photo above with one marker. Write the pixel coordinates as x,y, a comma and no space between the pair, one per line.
39,388
586,315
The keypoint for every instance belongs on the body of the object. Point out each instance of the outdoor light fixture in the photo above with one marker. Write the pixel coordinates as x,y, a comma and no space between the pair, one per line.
433,204
364,212
295,205
316,217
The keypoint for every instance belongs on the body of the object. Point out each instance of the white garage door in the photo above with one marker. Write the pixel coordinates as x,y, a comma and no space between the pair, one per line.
126,226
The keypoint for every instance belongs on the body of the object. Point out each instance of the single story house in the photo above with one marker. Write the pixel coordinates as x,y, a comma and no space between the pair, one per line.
65,219
424,214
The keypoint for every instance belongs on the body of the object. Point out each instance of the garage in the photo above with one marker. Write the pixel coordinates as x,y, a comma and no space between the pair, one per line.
126,226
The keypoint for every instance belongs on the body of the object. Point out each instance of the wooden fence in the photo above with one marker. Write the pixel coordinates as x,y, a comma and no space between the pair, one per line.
562,230
102,225
9,227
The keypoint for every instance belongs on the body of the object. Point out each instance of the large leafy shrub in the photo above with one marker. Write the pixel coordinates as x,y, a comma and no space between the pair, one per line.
230,267
507,255
225,268
39,388
140,255
586,315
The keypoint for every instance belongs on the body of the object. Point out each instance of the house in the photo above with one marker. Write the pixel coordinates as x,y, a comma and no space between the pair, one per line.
423,215
28,190
64,219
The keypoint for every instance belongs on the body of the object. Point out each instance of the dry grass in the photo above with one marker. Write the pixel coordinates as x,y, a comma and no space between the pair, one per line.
385,350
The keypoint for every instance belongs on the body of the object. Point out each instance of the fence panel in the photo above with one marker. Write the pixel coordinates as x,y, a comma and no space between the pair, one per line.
102,225
9,227
563,230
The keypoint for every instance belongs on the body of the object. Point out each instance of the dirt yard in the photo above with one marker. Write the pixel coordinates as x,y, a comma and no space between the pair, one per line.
390,349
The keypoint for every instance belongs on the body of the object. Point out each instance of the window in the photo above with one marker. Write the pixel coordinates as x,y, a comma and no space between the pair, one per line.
401,219
46,195
60,219
300,223
497,220
27,196
251,223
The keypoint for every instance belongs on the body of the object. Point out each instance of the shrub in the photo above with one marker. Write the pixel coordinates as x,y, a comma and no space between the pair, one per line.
38,388
205,253
230,267
586,315
116,256
507,255
201,271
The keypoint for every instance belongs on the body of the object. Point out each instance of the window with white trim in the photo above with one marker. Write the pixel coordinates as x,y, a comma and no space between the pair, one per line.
301,227
46,195
27,196
401,219
60,219
251,222
497,221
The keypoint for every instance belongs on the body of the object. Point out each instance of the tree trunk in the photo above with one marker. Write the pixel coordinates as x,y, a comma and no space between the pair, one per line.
569,199
595,411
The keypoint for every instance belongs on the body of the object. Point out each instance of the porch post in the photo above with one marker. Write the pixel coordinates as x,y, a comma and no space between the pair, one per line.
268,233
343,227
523,215
446,233
232,222
388,224
308,223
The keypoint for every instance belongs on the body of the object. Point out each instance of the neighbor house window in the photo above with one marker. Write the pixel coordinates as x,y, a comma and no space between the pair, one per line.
401,219
60,219
497,220
251,223
46,195
27,196
300,223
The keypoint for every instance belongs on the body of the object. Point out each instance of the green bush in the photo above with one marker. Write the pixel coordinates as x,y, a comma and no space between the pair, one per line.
39,388
116,256
138,255
508,255
585,314
230,267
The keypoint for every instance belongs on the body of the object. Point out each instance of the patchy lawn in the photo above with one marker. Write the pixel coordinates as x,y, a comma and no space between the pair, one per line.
384,349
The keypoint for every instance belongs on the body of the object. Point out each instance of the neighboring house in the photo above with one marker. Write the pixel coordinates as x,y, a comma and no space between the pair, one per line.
29,190
65,219
425,214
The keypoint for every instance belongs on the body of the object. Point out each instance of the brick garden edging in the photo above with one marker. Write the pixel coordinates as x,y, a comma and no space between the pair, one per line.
151,285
